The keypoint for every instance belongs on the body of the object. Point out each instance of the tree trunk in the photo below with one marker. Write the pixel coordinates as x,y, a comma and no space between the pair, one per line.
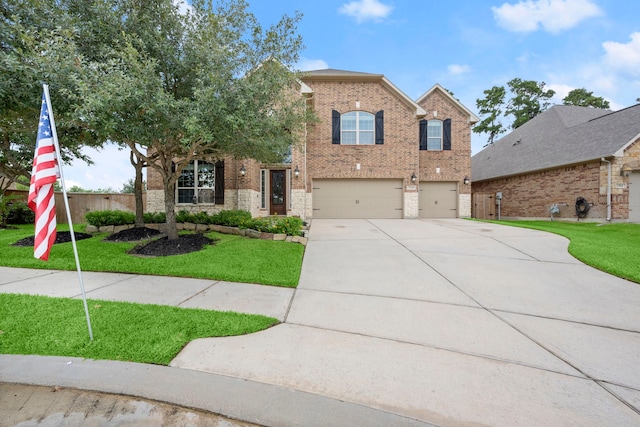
169,208
138,164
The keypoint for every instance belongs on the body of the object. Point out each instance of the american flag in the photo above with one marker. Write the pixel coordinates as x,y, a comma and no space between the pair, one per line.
43,176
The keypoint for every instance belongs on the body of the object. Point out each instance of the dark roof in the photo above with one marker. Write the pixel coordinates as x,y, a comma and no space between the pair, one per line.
332,72
562,135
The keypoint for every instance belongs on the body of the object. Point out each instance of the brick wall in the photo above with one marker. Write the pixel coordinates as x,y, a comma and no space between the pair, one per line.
531,195
396,158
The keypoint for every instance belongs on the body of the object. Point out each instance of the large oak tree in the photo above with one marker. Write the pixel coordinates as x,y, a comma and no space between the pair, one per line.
210,83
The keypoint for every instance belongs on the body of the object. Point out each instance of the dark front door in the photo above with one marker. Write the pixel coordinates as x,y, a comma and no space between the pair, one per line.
278,204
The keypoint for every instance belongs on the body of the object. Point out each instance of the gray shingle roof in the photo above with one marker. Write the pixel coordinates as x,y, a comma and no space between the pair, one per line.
562,135
332,72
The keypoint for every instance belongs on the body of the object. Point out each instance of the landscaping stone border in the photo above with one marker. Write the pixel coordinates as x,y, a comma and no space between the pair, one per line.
246,232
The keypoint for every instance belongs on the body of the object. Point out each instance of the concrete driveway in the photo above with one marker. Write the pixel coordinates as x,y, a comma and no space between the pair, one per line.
449,322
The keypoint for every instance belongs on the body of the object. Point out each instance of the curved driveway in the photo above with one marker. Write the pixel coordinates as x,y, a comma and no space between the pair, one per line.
450,322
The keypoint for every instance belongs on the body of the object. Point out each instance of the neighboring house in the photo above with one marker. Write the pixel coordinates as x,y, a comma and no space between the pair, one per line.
374,153
564,154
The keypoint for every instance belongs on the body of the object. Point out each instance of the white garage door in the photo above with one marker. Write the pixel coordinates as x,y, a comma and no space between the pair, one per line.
634,197
438,200
357,198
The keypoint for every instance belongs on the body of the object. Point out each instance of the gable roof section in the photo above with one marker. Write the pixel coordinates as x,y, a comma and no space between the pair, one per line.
331,74
472,117
562,135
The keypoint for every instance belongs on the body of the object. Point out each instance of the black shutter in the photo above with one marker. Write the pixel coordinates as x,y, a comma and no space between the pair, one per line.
446,134
423,134
380,127
335,127
219,183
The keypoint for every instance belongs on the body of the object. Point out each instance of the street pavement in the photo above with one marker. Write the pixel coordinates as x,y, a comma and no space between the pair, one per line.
394,322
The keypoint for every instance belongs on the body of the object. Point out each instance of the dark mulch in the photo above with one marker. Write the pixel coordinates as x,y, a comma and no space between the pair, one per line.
133,235
61,237
186,243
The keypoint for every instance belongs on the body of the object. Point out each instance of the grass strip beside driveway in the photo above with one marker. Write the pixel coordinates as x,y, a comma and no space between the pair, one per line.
143,333
232,258
613,248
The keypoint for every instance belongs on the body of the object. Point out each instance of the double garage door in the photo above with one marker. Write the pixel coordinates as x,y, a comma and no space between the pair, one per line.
357,198
380,198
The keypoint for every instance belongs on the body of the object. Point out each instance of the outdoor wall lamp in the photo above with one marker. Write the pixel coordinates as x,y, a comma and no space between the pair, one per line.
413,178
466,180
296,172
243,171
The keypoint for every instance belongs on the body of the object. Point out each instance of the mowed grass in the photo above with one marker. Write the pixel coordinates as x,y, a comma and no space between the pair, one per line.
614,248
142,333
232,258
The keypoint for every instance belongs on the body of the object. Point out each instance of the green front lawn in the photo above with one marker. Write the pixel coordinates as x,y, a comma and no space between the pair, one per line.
231,258
614,248
142,333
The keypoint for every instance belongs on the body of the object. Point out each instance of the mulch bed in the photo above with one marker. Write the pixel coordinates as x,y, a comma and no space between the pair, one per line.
61,237
133,235
186,243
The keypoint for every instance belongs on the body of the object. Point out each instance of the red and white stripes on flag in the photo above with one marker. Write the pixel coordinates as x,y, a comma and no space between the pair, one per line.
43,176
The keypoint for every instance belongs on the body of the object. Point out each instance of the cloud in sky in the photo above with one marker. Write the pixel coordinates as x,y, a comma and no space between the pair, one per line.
365,10
624,57
307,64
552,15
456,69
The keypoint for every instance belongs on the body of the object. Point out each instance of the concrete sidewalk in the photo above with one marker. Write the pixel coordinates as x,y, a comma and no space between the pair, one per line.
395,322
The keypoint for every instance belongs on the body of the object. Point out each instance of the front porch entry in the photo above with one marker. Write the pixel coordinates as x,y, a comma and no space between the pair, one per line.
278,199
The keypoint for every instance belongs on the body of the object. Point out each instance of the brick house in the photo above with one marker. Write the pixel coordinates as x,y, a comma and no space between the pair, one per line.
564,154
375,153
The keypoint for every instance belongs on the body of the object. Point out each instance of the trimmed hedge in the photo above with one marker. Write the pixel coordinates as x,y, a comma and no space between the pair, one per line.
231,218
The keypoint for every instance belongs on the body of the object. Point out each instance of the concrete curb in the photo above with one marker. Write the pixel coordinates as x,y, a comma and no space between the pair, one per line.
234,398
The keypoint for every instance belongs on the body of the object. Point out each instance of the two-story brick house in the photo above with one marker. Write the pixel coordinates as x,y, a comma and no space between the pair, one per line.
375,153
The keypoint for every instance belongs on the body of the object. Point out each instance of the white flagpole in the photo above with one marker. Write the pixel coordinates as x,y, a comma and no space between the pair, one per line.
66,204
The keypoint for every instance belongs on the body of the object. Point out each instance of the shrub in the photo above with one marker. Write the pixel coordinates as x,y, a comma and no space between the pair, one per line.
19,213
102,218
291,226
183,216
232,218
155,217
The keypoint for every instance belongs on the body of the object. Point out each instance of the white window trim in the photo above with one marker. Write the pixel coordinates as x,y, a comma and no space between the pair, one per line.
357,129
441,135
196,188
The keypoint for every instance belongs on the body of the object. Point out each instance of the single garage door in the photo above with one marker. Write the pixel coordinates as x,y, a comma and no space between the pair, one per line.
357,198
438,200
634,197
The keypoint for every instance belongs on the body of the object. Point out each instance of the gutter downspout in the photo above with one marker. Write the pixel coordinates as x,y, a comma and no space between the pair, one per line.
608,188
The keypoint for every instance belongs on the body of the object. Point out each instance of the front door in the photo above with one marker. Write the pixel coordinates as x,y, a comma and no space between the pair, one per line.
278,203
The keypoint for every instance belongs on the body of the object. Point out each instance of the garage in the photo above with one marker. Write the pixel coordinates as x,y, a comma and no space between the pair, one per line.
357,198
438,200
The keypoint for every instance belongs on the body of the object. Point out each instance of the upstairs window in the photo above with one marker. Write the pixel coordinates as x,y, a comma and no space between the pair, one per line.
357,128
435,135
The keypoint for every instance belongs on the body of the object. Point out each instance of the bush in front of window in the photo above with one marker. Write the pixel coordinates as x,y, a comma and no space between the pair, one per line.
103,218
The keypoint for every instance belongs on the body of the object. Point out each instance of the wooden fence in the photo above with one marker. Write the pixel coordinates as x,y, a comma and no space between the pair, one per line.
484,206
81,203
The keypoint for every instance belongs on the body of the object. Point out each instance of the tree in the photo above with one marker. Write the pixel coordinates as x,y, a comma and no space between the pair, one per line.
208,83
33,49
583,98
529,99
491,107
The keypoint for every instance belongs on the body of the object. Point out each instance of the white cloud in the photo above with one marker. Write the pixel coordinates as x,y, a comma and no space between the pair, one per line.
306,64
456,69
111,169
183,6
561,91
552,15
624,57
364,10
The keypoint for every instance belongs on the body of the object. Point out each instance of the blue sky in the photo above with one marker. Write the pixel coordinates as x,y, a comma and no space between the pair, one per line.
466,46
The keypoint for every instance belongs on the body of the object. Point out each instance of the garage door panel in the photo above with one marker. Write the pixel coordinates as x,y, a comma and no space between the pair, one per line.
357,198
438,200
634,197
